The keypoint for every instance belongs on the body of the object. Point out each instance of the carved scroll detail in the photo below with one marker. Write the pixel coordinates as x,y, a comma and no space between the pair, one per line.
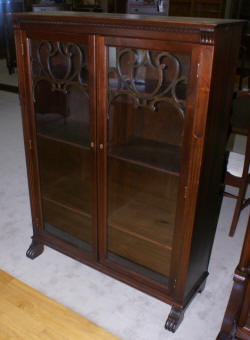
146,94
74,62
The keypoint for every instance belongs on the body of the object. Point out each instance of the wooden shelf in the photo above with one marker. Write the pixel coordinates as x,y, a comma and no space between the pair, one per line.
139,251
81,237
141,270
148,218
144,225
66,206
69,193
67,131
151,154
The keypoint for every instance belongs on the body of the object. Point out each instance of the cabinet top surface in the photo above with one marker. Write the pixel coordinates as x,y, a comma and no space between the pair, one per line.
129,19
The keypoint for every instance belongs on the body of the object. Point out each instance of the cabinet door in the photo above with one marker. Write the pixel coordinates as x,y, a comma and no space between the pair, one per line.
144,104
64,110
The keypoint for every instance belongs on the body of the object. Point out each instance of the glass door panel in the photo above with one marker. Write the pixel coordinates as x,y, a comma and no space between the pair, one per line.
61,102
146,112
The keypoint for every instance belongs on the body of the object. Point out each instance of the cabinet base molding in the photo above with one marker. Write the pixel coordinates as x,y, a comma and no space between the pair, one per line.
34,250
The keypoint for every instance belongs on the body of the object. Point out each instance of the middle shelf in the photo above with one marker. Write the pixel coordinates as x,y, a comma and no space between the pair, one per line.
149,153
64,130
146,217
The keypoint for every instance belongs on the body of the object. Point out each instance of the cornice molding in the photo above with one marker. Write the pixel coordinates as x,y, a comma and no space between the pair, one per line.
206,34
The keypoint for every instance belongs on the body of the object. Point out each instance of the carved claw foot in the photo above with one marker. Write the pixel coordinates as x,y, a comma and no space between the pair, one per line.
34,250
174,319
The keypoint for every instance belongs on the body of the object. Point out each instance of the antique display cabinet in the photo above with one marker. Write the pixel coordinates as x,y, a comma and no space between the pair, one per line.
125,122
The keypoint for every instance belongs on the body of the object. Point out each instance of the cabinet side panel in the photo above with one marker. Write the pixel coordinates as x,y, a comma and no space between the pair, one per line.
26,101
192,155
210,189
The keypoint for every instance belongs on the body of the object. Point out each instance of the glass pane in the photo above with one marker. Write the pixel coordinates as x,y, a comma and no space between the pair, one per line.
146,112
60,88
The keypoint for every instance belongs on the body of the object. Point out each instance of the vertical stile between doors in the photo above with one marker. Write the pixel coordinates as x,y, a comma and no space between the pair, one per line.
93,139
101,62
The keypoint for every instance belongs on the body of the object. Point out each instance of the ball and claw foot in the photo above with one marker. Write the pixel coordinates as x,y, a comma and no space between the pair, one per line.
34,250
174,319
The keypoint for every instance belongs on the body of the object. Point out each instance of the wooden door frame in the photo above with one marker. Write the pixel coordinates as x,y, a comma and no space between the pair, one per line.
193,140
40,236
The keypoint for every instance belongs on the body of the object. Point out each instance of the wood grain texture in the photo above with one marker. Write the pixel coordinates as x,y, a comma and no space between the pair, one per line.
28,314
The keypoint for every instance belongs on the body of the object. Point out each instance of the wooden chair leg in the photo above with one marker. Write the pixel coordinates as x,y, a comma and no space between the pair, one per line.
236,216
231,316
238,208
243,182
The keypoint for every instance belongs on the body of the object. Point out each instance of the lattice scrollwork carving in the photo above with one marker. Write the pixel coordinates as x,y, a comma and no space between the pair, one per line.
61,64
149,77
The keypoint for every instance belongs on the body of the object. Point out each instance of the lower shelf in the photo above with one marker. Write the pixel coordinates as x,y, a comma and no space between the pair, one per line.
141,215
141,270
68,238
67,224
72,193
139,251
146,217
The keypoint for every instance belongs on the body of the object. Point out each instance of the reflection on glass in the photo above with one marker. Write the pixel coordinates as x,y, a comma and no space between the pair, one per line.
146,111
60,87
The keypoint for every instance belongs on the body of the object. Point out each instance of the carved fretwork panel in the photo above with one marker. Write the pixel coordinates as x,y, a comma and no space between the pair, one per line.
152,84
59,70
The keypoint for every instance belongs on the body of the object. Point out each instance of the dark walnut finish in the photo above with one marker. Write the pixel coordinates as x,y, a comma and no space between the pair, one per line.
125,125
236,322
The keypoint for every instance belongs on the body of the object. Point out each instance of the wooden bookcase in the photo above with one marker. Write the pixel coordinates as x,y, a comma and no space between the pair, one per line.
125,125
